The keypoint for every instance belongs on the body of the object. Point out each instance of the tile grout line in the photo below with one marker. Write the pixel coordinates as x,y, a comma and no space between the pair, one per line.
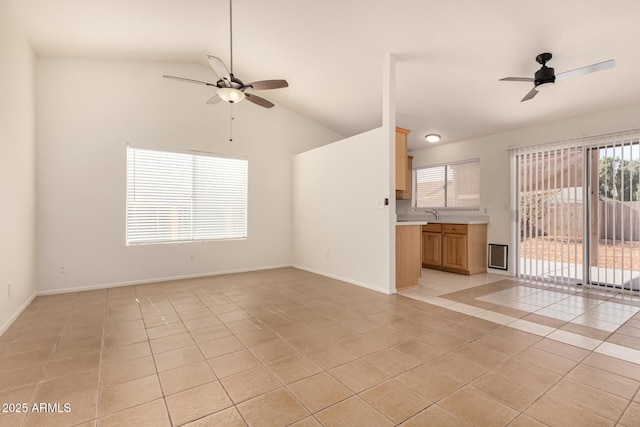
233,404
102,349
153,356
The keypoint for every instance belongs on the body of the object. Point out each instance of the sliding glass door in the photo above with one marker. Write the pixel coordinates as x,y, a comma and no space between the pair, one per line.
614,207
579,212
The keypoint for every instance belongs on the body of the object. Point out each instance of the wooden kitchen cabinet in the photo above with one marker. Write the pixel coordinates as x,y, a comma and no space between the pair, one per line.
431,245
462,247
408,248
401,159
454,251
408,193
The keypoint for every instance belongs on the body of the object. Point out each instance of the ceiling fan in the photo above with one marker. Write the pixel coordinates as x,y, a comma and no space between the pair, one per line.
545,77
230,88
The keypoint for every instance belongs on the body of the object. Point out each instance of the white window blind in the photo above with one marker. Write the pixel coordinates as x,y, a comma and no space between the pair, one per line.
453,186
181,197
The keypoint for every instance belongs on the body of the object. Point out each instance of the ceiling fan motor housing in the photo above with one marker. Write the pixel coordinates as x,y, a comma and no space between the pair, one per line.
233,82
544,75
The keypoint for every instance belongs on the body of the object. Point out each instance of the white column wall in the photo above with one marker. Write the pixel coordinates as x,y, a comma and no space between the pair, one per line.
339,230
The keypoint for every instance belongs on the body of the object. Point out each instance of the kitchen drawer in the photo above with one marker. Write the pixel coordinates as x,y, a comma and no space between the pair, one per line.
454,228
434,228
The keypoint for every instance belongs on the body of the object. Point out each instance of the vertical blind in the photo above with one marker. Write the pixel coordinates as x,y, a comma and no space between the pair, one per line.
180,197
550,197
579,211
455,186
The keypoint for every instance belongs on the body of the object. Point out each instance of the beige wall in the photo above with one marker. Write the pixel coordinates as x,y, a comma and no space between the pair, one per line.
17,171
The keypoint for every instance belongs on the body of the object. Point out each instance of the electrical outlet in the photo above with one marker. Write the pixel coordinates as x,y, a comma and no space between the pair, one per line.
192,257
62,269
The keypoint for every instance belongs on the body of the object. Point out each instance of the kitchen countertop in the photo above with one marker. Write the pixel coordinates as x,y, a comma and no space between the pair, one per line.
459,221
404,219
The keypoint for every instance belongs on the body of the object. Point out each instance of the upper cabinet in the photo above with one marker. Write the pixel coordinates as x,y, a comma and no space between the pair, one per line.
406,194
402,183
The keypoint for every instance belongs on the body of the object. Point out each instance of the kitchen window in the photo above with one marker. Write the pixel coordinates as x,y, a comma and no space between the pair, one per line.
184,197
454,186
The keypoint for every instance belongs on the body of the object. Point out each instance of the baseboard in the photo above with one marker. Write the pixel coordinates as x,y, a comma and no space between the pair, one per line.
12,319
157,279
343,279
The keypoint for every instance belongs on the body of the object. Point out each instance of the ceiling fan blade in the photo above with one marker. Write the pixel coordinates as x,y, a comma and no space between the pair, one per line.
214,99
220,69
259,100
269,84
516,79
182,79
586,70
533,92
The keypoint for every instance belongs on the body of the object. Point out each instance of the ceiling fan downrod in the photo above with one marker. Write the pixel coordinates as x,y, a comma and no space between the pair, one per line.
231,35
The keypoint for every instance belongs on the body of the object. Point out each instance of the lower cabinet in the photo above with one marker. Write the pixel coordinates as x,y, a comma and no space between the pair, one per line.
431,248
458,248
408,268
454,251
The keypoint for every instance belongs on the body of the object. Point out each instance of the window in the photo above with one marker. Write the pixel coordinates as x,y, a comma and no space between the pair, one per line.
452,186
181,197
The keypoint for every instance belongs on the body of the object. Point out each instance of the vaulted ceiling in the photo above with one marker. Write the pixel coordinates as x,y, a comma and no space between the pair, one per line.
450,54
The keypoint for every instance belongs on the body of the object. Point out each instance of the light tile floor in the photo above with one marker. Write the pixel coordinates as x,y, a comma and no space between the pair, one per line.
287,347
542,310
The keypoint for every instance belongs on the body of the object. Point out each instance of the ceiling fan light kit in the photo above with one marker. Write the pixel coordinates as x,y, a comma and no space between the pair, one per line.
230,95
546,77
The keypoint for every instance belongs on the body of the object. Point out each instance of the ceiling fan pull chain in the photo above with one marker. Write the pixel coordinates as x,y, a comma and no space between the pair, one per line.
230,122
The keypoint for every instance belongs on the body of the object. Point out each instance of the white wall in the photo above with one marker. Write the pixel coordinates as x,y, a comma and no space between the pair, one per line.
339,230
88,110
17,172
494,160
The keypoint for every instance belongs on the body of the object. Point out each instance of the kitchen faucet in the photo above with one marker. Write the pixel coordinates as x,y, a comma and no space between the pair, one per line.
433,212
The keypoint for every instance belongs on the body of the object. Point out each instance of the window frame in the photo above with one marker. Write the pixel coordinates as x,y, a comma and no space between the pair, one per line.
414,176
194,220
